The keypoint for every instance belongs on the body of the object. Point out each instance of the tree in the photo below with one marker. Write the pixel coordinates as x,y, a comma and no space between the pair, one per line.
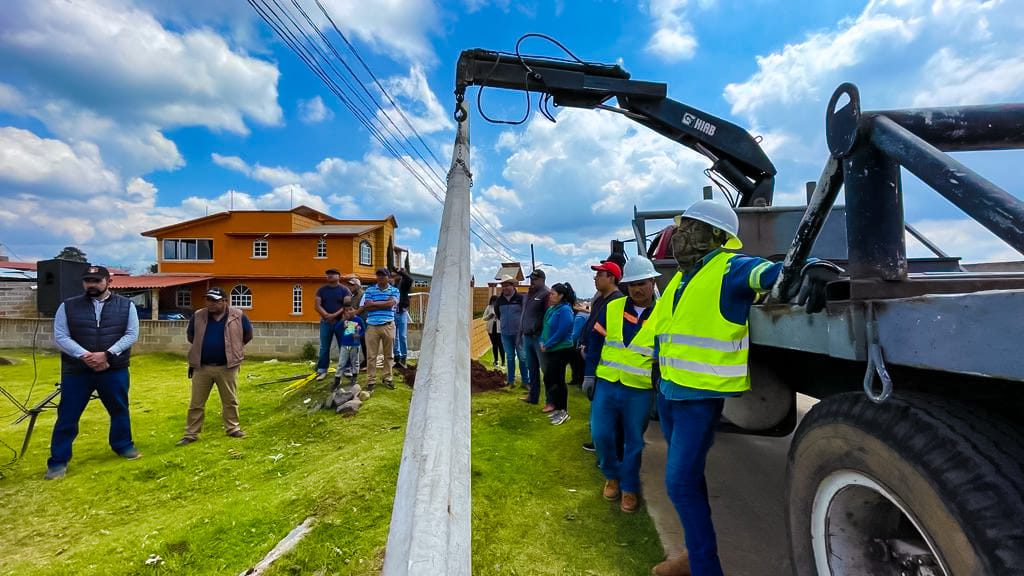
72,253
407,269
153,268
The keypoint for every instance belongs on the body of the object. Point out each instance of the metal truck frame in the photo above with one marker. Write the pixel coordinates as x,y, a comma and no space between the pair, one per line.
912,462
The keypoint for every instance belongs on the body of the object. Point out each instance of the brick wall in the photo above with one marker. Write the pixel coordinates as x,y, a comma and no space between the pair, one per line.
275,339
17,299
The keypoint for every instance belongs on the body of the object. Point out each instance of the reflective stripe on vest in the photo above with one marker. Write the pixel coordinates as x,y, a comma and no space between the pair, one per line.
630,364
697,346
701,342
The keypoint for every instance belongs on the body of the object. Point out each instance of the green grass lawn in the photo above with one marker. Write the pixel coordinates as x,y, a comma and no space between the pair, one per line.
218,506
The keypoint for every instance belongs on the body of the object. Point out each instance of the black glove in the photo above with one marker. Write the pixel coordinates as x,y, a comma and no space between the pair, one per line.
813,279
589,386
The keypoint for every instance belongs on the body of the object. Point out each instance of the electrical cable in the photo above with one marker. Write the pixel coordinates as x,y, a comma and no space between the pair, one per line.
278,25
380,86
377,82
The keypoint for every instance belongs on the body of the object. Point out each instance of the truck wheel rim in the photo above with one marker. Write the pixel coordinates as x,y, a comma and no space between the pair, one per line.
859,527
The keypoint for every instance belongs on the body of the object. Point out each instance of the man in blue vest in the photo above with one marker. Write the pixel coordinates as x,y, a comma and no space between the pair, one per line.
619,364
701,347
95,333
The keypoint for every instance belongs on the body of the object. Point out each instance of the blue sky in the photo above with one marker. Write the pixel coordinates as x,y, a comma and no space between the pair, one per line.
117,116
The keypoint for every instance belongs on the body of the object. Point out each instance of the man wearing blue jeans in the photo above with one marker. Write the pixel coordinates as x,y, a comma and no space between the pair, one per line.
508,309
95,333
535,304
702,348
619,381
329,300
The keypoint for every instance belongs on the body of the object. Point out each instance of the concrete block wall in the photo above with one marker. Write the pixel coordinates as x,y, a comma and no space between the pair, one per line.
272,339
17,300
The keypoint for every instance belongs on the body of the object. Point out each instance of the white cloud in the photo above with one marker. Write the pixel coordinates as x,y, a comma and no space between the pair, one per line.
961,237
398,28
585,173
410,232
314,110
418,101
959,80
673,39
10,98
280,198
161,79
501,194
887,49
370,187
52,167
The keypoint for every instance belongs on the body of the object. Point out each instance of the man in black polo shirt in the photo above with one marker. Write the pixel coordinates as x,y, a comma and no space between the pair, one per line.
329,299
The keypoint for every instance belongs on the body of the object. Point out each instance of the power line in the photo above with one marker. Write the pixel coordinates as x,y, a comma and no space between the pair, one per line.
274,20
474,217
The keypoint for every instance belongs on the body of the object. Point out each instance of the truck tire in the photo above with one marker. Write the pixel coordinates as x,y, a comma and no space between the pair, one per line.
917,480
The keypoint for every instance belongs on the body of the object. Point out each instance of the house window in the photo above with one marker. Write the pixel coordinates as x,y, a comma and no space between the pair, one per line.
297,299
183,297
365,253
260,249
321,248
194,249
241,296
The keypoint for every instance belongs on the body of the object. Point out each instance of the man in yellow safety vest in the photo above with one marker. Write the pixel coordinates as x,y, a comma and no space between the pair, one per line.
701,345
619,365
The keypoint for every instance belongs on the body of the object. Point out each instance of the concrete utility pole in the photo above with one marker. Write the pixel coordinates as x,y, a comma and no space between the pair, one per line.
430,521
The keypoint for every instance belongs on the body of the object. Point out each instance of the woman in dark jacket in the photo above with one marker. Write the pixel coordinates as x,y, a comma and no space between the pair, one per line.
557,350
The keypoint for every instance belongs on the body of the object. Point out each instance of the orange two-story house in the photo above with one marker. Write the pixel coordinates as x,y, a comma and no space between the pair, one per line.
271,262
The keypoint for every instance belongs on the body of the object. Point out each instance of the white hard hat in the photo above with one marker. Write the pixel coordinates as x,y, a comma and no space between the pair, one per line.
638,268
718,215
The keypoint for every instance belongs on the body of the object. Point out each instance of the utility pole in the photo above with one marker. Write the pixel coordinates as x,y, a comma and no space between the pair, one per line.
533,261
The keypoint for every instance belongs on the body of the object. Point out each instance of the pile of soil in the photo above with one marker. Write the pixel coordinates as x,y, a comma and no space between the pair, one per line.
481,379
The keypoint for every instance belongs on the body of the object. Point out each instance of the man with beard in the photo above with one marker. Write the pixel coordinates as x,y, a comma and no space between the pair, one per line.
701,347
95,332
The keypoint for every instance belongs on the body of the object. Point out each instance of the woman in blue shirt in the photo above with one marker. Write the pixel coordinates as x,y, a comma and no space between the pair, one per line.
556,349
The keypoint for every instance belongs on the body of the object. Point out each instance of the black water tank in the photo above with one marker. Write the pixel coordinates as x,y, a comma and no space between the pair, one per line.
57,280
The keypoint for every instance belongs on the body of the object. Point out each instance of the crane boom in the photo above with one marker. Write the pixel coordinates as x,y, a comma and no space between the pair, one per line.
735,154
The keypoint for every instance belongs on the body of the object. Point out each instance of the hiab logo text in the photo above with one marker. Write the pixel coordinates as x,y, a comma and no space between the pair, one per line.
699,124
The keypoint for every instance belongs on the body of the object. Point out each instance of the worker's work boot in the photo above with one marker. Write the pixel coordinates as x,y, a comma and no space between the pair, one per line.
611,490
630,502
678,566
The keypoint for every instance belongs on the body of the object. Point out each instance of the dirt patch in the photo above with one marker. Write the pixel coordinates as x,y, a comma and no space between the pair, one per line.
481,379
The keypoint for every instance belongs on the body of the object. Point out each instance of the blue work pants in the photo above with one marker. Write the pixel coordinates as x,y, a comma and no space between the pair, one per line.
620,408
689,428
508,341
531,345
329,333
75,391
401,334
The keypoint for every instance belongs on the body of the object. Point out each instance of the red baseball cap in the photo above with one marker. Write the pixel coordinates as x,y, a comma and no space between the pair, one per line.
609,267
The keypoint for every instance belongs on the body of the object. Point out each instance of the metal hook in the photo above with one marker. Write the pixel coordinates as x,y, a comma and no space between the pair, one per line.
876,362
460,111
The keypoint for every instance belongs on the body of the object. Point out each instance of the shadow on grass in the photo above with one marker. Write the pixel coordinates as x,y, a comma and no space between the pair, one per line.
219,505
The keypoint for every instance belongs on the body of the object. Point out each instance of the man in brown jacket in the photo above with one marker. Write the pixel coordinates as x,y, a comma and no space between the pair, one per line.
218,335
